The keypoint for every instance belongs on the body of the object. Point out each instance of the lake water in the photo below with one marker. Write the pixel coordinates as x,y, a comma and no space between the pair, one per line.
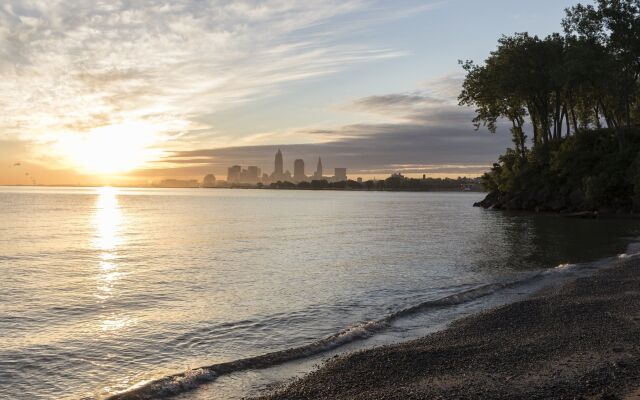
103,288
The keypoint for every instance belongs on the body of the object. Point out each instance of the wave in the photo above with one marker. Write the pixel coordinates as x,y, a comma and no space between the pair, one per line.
172,385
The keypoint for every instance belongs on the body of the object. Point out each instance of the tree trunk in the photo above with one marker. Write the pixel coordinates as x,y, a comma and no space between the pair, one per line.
534,122
607,117
598,123
557,123
565,115
572,111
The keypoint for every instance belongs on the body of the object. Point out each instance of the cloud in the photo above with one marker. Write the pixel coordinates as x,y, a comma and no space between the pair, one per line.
428,133
69,67
16,170
364,149
433,104
398,102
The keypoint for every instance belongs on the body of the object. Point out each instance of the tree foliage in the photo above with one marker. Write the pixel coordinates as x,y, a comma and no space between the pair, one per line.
393,183
553,88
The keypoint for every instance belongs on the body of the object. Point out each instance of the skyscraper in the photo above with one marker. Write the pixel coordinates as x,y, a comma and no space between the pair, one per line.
340,175
318,174
298,171
279,164
253,174
233,173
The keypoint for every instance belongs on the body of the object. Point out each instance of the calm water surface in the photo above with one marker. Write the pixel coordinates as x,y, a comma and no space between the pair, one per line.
104,288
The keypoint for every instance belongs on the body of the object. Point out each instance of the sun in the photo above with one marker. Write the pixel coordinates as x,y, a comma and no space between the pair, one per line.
112,149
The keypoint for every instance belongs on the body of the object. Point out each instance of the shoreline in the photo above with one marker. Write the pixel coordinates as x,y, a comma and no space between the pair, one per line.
249,188
579,340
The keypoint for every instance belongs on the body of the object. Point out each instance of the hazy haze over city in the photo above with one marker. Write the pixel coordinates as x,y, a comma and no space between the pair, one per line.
129,92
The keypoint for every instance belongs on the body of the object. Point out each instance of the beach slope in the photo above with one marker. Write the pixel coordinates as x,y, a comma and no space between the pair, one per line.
581,340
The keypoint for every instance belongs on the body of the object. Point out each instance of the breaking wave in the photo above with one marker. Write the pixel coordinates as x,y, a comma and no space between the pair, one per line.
178,383
181,382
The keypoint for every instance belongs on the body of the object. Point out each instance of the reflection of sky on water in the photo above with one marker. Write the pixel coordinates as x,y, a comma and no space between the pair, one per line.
119,286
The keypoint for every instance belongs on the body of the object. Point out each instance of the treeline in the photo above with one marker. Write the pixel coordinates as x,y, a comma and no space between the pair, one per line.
560,84
393,183
551,89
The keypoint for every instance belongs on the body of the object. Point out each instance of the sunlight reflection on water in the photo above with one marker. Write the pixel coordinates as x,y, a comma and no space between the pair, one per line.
108,222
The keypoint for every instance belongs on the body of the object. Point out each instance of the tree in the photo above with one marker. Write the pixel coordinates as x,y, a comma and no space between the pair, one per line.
614,25
567,88
524,79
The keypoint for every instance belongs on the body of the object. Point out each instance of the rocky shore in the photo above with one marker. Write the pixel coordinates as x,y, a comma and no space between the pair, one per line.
548,204
579,341
538,202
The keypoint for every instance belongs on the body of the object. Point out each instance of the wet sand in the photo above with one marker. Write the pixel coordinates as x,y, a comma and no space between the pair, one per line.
579,341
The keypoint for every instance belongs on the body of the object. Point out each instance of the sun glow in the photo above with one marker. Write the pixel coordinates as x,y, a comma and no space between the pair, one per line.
111,149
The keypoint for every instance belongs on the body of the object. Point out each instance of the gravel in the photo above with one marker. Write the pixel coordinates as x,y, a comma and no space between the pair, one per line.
579,341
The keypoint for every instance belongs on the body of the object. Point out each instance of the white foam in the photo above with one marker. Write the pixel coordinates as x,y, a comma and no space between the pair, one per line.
174,384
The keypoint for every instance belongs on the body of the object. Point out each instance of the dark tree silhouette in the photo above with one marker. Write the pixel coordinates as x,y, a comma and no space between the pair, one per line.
556,93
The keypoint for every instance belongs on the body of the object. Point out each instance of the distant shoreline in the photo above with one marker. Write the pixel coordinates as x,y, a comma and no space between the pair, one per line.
251,188
581,340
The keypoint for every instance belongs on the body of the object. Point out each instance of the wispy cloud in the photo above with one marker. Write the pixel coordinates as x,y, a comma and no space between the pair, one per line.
433,104
68,67
426,133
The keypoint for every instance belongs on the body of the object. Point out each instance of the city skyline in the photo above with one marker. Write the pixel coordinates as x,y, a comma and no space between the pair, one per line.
319,199
130,93
251,174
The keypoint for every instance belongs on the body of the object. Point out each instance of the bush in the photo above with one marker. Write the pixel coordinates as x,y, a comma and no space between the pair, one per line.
590,170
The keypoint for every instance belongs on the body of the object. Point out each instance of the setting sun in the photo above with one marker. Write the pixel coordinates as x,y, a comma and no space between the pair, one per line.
111,149
312,199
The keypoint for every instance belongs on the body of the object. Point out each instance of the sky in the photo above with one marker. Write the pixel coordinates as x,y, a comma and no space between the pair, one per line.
135,91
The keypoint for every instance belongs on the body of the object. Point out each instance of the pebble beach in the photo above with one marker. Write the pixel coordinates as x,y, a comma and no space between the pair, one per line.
577,341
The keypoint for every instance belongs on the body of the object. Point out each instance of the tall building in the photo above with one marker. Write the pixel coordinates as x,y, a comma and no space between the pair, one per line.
279,164
340,175
278,172
318,174
233,173
298,171
253,174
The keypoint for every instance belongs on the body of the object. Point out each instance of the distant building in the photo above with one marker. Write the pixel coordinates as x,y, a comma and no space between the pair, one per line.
318,174
253,174
279,163
237,174
233,173
209,181
298,171
340,174
359,180
278,171
250,175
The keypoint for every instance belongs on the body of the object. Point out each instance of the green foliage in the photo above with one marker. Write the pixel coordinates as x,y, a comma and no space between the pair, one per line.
562,83
393,183
586,171
565,88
